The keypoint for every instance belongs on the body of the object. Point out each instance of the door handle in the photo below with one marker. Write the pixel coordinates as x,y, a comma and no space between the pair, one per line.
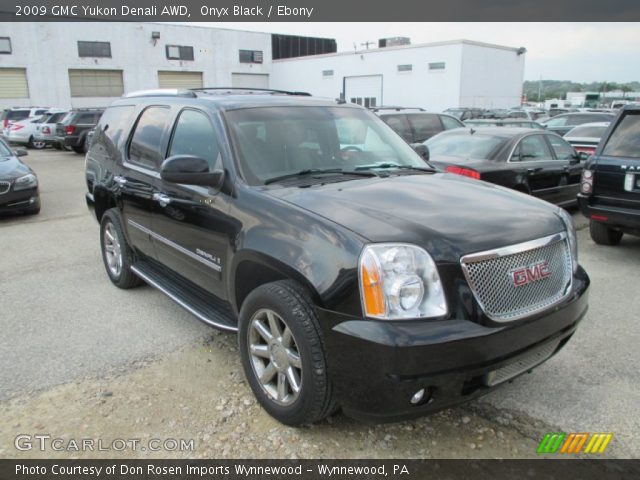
162,199
120,180
532,170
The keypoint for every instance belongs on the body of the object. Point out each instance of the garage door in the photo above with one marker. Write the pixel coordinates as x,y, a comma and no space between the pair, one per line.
249,80
95,83
364,90
13,83
180,80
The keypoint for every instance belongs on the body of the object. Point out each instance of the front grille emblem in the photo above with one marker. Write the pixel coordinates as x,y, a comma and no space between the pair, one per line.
533,273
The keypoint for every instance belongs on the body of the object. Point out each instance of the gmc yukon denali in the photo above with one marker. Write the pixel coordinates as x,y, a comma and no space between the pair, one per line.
355,275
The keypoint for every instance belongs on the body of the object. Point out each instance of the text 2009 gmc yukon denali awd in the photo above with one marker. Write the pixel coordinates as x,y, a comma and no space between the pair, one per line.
356,276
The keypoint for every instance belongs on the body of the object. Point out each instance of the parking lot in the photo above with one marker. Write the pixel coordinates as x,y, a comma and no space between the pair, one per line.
81,358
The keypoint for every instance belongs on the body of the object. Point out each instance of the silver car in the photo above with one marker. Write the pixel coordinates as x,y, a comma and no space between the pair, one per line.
45,133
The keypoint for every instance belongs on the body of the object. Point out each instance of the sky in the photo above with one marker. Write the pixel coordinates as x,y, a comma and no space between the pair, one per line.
581,52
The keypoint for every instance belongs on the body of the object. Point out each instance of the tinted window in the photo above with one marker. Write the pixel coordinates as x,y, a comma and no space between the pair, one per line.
145,147
562,149
450,123
5,151
557,122
56,117
16,114
400,125
625,139
424,126
113,124
194,135
464,145
586,131
533,148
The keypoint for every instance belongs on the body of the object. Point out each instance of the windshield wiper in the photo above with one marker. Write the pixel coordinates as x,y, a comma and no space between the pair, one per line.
395,165
315,171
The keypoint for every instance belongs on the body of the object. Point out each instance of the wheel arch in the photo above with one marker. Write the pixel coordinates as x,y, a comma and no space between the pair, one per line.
104,200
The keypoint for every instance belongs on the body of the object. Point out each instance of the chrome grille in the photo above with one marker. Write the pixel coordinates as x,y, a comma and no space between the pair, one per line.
4,187
490,276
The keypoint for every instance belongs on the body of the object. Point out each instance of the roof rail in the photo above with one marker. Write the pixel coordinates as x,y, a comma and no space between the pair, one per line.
396,108
247,90
161,92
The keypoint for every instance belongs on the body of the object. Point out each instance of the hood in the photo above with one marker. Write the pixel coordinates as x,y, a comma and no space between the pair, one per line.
449,215
11,167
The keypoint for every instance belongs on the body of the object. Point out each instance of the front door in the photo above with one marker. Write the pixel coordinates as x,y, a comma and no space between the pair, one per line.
542,171
191,222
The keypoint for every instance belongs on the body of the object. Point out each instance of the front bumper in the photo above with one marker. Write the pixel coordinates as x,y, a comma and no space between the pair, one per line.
627,219
377,366
23,200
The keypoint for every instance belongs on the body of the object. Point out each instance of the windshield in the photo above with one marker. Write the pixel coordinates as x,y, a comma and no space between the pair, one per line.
464,144
275,142
455,113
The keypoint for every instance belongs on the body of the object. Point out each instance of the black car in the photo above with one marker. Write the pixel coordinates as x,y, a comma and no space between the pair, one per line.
356,276
416,125
18,183
561,124
610,191
503,122
531,161
74,127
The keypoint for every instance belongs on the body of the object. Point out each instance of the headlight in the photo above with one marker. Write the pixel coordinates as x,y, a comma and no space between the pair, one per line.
567,219
28,181
400,281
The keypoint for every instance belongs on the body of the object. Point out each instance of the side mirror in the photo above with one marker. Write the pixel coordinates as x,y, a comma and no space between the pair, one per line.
583,156
421,149
190,170
21,152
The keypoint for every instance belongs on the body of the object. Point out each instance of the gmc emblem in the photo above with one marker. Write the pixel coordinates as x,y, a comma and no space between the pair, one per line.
533,273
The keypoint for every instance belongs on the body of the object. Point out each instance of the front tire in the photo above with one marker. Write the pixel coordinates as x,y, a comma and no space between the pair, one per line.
603,235
283,355
117,255
38,145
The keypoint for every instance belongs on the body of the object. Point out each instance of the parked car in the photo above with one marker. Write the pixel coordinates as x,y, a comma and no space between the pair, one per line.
531,161
585,137
610,191
358,278
18,183
561,124
527,114
72,130
10,115
464,114
21,132
503,122
416,126
45,134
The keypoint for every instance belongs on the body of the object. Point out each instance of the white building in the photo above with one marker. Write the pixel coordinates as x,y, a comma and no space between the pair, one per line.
91,64
434,76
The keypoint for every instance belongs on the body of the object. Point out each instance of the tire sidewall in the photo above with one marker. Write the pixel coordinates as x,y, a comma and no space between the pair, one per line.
111,217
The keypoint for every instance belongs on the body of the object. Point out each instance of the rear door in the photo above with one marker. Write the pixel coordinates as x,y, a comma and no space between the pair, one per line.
137,182
617,177
567,158
543,172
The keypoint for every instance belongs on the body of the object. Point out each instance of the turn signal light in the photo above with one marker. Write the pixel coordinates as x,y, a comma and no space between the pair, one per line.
372,287
586,185
465,172
46,130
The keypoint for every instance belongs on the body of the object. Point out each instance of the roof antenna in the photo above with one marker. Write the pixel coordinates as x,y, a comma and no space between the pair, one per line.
472,131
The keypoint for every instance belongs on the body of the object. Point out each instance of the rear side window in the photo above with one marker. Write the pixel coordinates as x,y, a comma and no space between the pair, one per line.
145,146
561,148
533,148
400,125
625,139
450,123
87,118
56,117
113,123
424,126
194,135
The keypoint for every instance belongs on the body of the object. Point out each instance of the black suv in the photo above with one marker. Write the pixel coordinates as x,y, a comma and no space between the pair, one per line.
355,275
74,127
414,124
610,190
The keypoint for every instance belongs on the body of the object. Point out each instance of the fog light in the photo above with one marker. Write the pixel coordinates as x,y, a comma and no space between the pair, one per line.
586,187
418,397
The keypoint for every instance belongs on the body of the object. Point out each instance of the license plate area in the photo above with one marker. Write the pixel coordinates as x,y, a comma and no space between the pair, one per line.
520,365
632,182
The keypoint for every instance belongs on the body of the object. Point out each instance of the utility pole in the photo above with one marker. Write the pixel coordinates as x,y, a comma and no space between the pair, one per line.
539,89
366,44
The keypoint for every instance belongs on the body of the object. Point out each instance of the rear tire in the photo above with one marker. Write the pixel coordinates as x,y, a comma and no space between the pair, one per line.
117,255
79,150
38,145
603,235
283,354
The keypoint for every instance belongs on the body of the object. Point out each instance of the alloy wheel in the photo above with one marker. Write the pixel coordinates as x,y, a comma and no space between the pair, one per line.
112,250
